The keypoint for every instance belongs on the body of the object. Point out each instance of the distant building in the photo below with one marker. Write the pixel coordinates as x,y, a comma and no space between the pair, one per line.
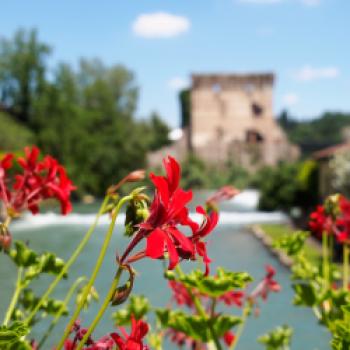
230,117
326,173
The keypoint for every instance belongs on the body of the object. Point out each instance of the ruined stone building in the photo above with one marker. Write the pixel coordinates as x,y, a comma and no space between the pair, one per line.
230,117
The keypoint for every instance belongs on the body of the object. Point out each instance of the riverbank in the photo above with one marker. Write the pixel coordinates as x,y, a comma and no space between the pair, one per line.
269,233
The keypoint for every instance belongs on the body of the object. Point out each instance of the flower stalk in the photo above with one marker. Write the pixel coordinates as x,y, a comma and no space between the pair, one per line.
95,271
346,252
15,297
70,262
66,301
245,314
102,310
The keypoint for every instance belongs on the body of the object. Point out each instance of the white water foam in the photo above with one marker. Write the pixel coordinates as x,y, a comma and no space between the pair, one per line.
29,222
247,199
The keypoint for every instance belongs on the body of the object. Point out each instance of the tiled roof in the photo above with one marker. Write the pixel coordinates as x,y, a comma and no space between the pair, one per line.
330,151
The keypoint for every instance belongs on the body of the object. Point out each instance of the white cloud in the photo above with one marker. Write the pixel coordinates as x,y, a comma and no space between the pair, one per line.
308,73
160,25
178,83
290,99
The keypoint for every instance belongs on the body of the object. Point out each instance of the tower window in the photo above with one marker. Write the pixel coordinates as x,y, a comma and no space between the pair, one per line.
257,110
216,88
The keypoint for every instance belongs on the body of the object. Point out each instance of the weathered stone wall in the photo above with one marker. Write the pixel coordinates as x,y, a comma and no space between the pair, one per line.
232,116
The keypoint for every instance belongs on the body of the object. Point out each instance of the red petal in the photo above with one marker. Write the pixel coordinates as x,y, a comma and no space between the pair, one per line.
156,244
173,171
184,242
173,255
162,188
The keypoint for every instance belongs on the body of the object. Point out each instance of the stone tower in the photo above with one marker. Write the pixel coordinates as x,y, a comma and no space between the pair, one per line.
232,118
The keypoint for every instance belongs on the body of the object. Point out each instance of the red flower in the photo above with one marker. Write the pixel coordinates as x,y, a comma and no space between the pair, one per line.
343,221
134,341
167,211
233,298
209,223
180,294
268,284
229,338
39,180
320,222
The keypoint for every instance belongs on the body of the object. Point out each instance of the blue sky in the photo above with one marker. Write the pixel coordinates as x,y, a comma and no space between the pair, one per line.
305,42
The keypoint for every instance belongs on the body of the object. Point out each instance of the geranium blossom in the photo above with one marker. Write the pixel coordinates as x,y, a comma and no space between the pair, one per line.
134,341
168,211
337,224
320,222
180,294
37,181
233,298
267,285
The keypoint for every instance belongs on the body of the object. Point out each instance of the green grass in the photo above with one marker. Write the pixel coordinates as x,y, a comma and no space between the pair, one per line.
277,231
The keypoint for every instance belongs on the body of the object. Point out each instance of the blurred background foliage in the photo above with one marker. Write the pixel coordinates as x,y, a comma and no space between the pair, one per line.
84,116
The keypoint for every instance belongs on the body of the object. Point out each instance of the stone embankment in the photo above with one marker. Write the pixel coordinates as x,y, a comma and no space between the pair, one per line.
268,243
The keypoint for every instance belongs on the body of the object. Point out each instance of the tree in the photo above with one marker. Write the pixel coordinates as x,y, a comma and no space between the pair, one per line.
22,73
13,135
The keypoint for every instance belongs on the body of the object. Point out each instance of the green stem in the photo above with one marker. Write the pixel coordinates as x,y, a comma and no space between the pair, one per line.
70,262
201,311
15,297
102,310
346,252
325,262
94,273
61,310
240,330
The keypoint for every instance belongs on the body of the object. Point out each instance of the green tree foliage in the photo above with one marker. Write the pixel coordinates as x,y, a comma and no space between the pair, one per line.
84,117
287,186
314,134
185,103
197,174
13,134
22,73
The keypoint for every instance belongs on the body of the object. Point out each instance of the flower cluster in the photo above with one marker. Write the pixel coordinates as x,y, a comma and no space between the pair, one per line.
267,285
168,211
132,341
332,218
37,180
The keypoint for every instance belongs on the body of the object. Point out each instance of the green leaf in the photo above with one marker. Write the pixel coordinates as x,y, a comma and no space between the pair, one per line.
292,244
305,294
45,263
22,255
138,307
341,335
12,334
277,339
215,286
195,326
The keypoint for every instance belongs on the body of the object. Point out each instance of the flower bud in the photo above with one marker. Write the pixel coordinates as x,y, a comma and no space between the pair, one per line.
5,241
135,176
331,205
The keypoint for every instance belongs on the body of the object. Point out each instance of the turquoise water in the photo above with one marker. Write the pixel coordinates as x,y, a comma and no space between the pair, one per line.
231,246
